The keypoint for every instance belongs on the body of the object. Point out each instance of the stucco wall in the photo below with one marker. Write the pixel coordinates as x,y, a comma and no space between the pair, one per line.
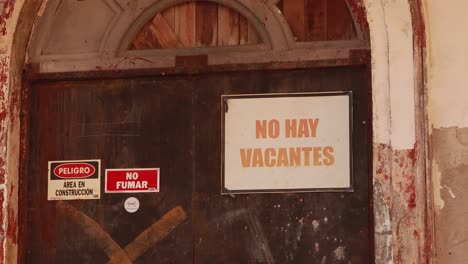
9,125
447,64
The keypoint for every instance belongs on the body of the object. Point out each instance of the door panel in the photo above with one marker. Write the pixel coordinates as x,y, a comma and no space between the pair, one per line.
126,124
279,228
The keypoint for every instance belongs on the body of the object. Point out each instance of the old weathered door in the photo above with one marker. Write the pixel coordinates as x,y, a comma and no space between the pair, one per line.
126,124
174,123
331,227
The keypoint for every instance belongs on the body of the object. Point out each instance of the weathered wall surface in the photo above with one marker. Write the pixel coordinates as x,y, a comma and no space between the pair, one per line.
399,196
397,42
447,64
9,126
450,170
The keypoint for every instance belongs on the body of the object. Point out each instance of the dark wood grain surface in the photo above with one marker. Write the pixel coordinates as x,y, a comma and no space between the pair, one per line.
279,228
126,124
175,123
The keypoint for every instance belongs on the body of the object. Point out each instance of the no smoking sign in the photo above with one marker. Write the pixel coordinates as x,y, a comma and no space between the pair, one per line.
132,180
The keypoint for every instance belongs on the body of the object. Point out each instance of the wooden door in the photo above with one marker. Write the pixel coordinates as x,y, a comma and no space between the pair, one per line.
279,228
174,123
126,124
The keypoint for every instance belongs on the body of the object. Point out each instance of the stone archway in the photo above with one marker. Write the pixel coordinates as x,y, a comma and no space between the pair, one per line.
402,214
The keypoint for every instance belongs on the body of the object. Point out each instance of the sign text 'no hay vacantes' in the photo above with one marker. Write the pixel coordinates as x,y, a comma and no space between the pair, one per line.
287,142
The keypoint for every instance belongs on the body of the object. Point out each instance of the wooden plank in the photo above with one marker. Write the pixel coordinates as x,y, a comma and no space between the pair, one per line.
164,33
316,12
145,40
338,20
228,26
206,24
169,16
185,18
243,30
294,12
191,61
151,236
352,29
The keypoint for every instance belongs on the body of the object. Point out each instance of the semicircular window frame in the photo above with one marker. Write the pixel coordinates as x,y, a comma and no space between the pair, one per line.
246,21
190,25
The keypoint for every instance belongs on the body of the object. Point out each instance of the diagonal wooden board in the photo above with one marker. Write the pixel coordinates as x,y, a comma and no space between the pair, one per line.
143,242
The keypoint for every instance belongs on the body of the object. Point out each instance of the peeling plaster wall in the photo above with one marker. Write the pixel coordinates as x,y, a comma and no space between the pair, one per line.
447,64
9,15
450,171
399,237
399,234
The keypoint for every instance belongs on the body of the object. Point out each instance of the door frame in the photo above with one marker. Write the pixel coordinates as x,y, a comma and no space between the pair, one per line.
379,16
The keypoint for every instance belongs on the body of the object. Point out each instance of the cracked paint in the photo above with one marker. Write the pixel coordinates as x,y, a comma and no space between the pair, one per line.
395,202
6,11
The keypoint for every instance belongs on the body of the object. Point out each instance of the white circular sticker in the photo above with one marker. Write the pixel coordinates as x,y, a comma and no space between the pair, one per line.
132,204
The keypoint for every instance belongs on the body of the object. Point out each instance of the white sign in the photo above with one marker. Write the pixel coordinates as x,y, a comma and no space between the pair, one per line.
131,205
290,142
74,180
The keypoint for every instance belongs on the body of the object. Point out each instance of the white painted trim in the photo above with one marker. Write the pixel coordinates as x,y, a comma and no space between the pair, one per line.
401,74
380,75
391,37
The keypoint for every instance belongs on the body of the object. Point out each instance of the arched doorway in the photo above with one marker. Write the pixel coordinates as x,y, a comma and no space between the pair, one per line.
172,123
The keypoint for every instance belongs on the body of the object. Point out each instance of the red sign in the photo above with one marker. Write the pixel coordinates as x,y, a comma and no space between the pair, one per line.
132,180
74,170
